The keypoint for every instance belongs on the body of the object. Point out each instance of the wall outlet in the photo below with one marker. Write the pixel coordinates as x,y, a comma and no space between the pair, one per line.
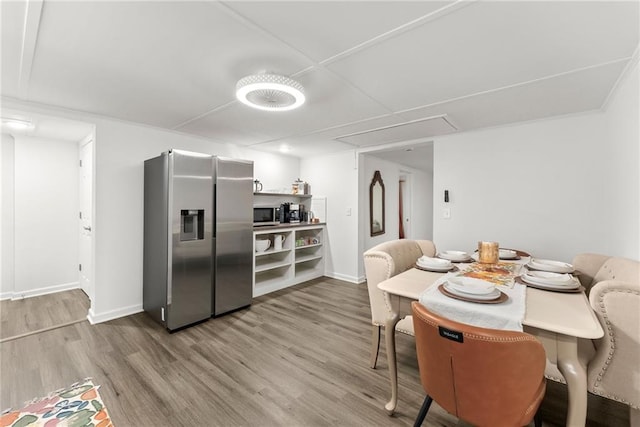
446,213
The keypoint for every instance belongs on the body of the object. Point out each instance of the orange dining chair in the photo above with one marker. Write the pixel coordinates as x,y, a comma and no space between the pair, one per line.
486,377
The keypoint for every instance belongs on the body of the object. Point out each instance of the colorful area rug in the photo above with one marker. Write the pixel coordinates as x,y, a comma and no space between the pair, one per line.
78,405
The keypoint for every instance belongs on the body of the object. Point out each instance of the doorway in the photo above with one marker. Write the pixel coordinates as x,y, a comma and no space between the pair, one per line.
46,250
404,206
85,198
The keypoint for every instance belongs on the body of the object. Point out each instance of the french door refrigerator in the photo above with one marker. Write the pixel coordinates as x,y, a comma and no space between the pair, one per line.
197,237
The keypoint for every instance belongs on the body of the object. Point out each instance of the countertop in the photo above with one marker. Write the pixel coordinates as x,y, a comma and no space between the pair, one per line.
287,225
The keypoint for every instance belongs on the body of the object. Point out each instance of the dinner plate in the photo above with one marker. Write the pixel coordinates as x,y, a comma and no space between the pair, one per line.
455,256
423,267
572,284
471,285
549,265
495,293
548,278
502,297
563,289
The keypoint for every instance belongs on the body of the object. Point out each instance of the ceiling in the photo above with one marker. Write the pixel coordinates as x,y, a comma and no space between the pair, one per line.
375,73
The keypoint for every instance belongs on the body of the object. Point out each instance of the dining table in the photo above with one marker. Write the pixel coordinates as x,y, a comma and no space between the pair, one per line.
557,319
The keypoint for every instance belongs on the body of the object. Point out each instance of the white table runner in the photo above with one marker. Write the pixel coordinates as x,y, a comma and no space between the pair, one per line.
507,315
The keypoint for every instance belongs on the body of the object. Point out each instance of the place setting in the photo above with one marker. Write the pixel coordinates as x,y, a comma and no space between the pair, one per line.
455,256
505,254
437,265
472,290
550,266
550,281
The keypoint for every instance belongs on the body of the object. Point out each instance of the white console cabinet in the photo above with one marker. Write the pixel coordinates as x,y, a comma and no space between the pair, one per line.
301,257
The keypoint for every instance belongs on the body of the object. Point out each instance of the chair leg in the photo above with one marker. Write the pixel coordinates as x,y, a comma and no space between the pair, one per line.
634,417
537,419
375,346
423,411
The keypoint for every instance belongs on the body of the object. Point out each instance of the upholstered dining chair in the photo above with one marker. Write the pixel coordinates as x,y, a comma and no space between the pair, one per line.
380,263
613,371
486,377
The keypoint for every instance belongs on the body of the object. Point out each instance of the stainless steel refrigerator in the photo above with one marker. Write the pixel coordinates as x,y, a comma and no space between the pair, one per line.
197,237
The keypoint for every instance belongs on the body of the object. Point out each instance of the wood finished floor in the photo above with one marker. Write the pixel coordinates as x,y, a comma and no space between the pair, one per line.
28,315
298,357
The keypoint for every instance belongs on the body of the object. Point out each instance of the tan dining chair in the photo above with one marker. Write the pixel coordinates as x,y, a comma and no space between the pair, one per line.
612,362
486,377
382,262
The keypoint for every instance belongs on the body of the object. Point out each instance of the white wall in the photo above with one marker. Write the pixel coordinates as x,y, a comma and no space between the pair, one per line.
335,177
390,173
6,216
45,216
421,206
555,187
120,149
536,187
621,149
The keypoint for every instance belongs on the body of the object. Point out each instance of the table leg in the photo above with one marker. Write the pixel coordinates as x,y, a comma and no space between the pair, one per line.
576,376
390,341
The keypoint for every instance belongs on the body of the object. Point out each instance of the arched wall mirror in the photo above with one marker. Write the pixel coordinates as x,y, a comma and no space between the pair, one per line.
376,205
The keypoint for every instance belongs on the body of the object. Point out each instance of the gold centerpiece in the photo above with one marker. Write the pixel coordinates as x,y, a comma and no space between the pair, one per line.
488,252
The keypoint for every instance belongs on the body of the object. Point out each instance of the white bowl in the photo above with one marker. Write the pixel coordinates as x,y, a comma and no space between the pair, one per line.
471,285
262,245
507,254
454,255
434,262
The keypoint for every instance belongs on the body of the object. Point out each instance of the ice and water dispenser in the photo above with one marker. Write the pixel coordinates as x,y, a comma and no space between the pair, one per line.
191,224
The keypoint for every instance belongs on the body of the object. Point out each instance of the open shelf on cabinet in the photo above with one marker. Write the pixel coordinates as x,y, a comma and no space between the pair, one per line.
272,265
272,280
308,270
312,245
271,252
278,269
305,258
302,196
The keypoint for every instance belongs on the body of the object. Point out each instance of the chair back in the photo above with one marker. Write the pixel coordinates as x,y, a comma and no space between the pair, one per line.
485,377
385,261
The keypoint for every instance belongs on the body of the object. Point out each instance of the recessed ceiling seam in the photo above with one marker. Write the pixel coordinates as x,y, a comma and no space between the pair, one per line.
511,86
623,75
423,119
296,135
418,22
32,15
206,113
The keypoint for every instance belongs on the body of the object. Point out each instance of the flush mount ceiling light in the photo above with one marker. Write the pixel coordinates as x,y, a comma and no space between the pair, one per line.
270,92
17,124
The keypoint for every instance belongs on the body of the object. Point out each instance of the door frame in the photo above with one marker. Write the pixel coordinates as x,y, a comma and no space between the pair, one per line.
89,139
405,182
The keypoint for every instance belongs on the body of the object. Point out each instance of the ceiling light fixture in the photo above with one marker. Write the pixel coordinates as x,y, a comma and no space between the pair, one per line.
270,92
17,124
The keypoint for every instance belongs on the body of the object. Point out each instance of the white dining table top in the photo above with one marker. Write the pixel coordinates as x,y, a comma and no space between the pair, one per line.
564,313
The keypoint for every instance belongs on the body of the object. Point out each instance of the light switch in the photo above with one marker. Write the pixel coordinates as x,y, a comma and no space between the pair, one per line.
348,211
446,213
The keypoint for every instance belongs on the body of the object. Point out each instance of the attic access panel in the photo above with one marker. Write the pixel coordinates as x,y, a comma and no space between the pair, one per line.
415,129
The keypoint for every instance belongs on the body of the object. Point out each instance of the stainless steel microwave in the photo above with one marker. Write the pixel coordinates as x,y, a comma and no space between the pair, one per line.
266,215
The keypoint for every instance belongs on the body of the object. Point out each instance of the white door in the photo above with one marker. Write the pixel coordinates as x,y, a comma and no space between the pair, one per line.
405,191
86,223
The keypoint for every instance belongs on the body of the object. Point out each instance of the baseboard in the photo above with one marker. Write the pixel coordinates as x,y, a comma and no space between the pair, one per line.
344,277
16,295
94,318
6,295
